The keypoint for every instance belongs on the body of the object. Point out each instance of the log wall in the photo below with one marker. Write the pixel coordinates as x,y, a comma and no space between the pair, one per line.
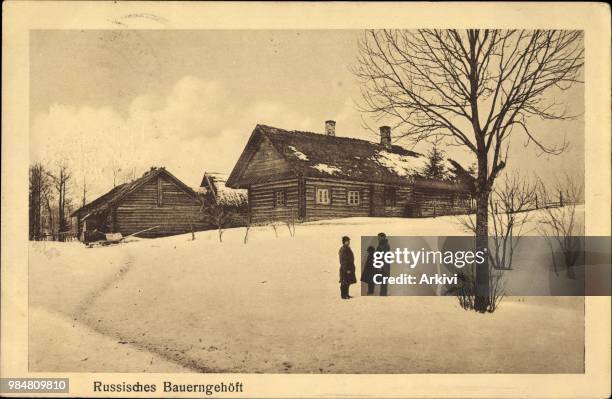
262,204
176,214
267,164
431,202
338,206
409,201
404,201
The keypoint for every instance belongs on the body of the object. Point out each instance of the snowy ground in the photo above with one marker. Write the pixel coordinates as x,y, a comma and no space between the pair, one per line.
272,306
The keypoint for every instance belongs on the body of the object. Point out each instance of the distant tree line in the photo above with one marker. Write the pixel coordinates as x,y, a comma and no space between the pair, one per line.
49,203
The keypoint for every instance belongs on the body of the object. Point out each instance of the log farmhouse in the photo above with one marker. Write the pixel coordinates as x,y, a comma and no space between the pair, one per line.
308,176
156,200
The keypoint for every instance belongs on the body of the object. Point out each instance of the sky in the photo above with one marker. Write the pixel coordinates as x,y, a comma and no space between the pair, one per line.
188,100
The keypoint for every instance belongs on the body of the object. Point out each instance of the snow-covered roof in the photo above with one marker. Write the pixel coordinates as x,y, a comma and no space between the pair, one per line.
216,183
320,155
401,165
298,154
328,169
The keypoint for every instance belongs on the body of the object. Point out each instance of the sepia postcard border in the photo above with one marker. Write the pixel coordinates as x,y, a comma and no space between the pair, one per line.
21,17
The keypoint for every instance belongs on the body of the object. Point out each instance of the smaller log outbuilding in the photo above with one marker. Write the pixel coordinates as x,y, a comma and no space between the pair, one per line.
231,202
157,199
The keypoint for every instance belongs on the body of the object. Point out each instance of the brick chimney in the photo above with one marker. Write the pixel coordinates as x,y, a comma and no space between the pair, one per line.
330,128
385,137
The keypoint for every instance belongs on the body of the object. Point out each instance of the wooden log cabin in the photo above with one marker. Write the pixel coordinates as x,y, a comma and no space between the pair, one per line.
310,176
157,199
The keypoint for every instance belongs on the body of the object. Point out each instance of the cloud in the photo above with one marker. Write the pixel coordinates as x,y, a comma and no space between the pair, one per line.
191,128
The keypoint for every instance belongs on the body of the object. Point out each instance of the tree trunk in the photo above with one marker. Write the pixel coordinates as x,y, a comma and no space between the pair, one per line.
51,225
481,301
61,222
36,189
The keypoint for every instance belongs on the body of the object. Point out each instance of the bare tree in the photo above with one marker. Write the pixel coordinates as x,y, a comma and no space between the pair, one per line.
470,88
60,181
115,174
290,223
122,175
466,290
509,205
218,216
247,228
130,175
561,226
84,200
191,228
39,193
50,218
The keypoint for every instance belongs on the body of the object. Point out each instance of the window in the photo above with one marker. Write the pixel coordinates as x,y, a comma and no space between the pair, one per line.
280,198
389,196
353,198
323,196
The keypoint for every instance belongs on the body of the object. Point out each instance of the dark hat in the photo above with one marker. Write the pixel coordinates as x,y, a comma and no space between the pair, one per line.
382,235
345,239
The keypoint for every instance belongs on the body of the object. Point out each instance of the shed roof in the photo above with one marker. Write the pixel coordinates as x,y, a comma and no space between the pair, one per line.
216,183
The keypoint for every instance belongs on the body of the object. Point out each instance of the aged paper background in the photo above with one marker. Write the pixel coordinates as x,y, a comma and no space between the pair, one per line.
19,18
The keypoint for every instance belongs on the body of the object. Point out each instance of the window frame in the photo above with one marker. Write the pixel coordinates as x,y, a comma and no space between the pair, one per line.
357,196
322,189
283,195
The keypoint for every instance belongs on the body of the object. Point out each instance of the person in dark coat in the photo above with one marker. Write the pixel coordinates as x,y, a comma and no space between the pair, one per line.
385,271
347,268
368,271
